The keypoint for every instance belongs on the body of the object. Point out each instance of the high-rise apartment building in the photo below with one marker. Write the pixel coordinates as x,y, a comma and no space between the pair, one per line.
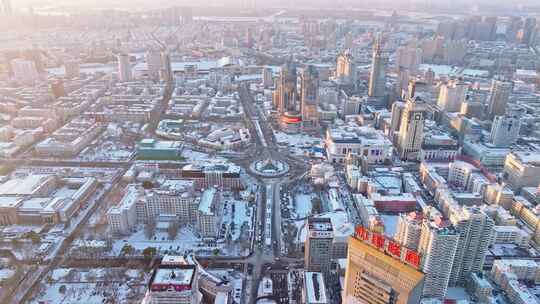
395,119
377,77
500,93
437,247
166,67
505,129
409,230
267,77
154,64
318,247
411,130
452,95
285,96
409,58
526,34
374,276
124,68
522,169
346,69
24,71
309,94
474,228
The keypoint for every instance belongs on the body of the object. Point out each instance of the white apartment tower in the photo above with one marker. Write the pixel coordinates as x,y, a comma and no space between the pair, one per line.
267,77
395,118
452,95
437,248
411,130
409,230
505,129
475,229
24,71
346,69
500,93
409,58
124,68
154,63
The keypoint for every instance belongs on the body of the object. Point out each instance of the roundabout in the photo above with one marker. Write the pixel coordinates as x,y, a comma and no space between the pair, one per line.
269,167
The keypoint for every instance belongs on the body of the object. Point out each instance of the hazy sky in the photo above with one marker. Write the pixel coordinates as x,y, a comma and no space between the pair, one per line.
149,4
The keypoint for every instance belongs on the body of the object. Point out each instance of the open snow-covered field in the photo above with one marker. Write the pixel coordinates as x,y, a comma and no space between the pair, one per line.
89,286
303,205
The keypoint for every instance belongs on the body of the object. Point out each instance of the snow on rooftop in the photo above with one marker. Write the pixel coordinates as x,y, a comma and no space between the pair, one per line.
175,276
207,198
315,288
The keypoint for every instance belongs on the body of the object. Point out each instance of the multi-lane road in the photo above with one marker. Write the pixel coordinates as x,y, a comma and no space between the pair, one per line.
269,250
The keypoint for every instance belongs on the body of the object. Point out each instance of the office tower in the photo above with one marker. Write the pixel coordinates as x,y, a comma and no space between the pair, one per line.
8,11
124,68
285,97
411,129
395,118
474,228
505,129
187,15
309,94
409,229
500,93
346,69
24,71
374,276
452,95
166,67
154,63
267,78
318,247
409,58
72,68
377,77
437,247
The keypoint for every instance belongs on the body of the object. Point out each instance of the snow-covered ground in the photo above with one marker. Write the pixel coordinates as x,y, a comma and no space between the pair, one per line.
298,144
192,155
99,285
303,204
185,240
